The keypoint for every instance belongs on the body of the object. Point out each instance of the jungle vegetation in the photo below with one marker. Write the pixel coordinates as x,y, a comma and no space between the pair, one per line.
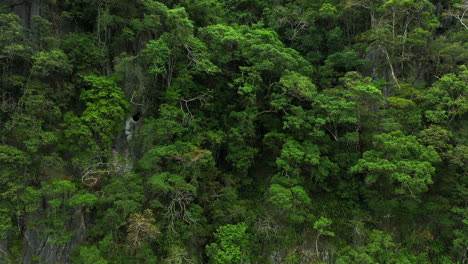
234,131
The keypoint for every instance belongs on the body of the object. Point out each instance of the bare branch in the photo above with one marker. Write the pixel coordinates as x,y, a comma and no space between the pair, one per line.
201,98
460,18
131,99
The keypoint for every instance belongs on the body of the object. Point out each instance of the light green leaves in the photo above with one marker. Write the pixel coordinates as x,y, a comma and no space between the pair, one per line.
289,201
380,248
302,159
157,54
400,161
10,154
322,224
231,245
101,119
12,37
165,182
82,199
448,97
90,255
47,63
298,85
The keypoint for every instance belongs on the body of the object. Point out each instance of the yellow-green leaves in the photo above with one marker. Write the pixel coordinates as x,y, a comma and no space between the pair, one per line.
141,229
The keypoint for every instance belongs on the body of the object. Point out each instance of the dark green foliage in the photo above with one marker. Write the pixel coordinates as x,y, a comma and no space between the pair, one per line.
83,53
229,131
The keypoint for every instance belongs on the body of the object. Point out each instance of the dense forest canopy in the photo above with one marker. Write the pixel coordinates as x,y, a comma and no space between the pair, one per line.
247,131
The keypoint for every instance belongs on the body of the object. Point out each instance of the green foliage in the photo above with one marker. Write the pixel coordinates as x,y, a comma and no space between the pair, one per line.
308,123
380,248
321,226
291,202
303,159
157,53
90,255
101,119
141,228
82,52
12,37
448,97
123,196
43,34
165,182
105,107
231,245
84,199
241,152
399,161
51,63
298,86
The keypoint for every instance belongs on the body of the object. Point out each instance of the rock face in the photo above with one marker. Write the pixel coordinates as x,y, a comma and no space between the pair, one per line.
40,246
130,125
5,248
26,9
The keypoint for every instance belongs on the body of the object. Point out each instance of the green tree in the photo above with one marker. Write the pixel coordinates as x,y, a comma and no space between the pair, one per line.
290,203
448,97
141,228
321,225
100,121
231,245
90,255
380,248
399,164
52,62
